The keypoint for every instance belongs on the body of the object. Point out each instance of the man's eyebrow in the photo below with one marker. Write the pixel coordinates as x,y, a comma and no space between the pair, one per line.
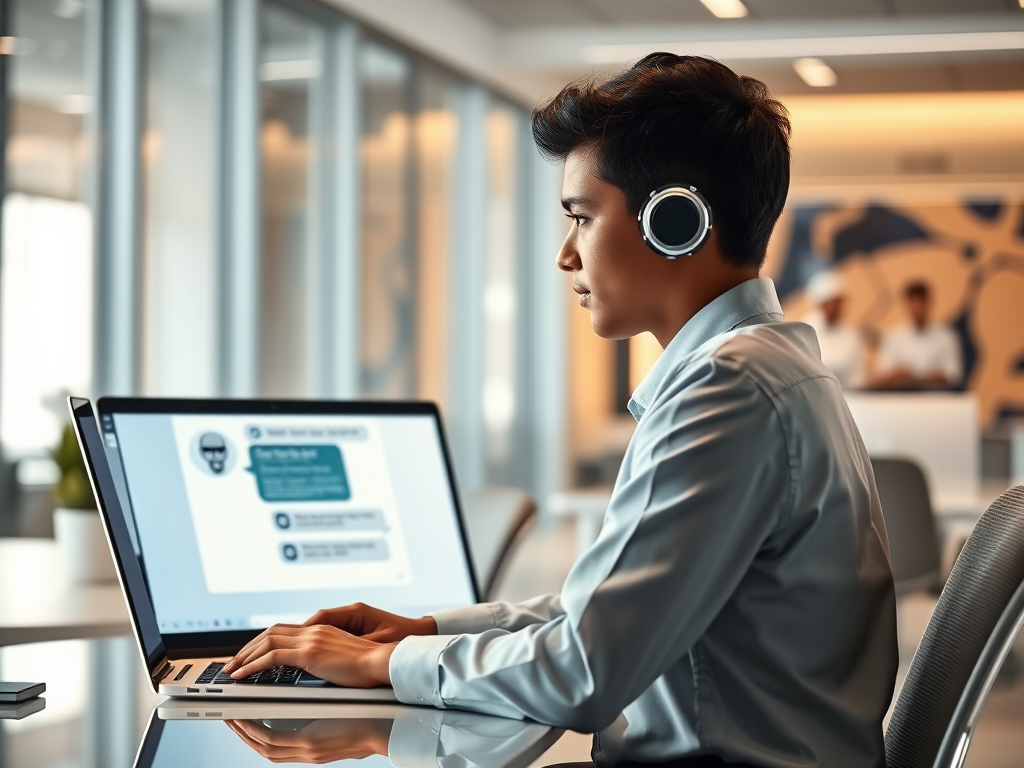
567,202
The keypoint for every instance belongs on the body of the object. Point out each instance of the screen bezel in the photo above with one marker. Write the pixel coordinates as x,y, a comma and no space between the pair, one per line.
100,478
220,642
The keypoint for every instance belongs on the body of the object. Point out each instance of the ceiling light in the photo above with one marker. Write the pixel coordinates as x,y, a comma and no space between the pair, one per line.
729,9
815,72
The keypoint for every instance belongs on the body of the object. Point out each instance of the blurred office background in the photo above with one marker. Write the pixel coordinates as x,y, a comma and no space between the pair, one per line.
281,198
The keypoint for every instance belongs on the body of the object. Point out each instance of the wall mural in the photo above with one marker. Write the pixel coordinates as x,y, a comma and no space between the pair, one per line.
971,254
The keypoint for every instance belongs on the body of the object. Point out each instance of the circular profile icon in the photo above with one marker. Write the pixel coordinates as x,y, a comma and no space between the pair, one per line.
213,453
290,553
282,521
255,433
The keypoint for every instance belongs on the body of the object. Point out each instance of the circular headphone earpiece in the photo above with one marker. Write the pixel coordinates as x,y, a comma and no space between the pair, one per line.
675,220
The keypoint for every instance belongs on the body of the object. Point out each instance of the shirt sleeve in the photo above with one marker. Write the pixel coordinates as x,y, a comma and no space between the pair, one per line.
952,360
679,536
510,616
886,362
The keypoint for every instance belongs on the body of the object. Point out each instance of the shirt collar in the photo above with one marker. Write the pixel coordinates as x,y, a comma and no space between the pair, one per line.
749,303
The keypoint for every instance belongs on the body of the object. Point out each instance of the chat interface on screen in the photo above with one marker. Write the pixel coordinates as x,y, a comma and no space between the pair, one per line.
247,521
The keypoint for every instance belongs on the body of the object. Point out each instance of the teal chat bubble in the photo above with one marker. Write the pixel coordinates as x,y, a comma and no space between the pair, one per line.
299,472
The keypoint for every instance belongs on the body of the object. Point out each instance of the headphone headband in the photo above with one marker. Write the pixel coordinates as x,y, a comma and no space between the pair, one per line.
675,220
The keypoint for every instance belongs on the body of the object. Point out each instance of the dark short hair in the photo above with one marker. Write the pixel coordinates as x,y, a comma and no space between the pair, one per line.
917,289
671,119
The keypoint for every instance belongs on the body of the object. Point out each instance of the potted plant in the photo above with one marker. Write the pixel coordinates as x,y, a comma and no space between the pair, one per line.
76,523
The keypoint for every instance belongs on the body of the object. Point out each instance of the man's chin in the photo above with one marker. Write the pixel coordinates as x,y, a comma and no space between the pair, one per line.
605,328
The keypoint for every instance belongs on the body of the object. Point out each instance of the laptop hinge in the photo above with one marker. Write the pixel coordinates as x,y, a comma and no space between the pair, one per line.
161,670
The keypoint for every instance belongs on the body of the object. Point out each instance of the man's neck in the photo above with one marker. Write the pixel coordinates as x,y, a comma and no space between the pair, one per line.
693,296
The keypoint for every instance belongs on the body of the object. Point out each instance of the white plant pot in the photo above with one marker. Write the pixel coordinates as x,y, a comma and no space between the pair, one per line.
83,545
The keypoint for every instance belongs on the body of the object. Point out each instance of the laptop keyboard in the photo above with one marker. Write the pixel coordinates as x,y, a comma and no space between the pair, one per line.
213,675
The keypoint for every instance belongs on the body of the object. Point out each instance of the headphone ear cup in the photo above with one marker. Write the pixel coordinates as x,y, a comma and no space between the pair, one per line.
675,221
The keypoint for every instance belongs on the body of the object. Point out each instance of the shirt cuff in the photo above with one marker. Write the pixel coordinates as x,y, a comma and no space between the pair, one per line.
415,669
471,620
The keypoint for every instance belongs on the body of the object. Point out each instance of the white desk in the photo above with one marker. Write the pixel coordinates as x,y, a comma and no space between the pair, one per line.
38,603
938,430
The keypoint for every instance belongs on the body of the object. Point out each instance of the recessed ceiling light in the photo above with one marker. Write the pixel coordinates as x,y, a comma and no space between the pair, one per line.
730,9
815,72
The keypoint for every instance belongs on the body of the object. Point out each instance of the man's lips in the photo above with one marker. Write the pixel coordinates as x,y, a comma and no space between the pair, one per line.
583,292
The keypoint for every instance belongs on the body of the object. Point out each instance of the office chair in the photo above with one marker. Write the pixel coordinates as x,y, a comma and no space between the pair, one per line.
497,520
910,525
977,618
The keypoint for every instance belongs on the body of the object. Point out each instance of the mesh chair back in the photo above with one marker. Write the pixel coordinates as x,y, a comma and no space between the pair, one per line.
909,523
976,619
497,519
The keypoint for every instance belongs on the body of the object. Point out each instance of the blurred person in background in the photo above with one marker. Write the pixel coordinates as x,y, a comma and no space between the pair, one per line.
842,347
920,354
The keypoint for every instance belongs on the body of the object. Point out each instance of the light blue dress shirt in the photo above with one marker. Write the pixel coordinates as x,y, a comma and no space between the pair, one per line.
739,600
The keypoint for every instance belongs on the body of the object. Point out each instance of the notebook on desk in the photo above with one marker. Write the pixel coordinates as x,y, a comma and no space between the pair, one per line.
225,517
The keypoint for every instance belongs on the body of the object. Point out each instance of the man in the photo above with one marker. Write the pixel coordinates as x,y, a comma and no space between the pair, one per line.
920,354
842,348
738,605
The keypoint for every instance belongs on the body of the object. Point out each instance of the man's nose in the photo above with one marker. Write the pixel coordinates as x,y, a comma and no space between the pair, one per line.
568,259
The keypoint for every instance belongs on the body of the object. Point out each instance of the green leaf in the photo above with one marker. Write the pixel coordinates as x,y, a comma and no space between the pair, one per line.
72,490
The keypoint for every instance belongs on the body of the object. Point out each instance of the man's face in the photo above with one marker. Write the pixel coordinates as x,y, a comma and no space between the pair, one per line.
918,307
832,309
618,277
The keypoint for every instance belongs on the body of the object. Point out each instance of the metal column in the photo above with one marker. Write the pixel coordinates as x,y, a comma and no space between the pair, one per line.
117,127
238,237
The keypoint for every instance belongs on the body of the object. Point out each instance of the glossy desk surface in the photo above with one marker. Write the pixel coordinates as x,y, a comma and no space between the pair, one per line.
246,734
252,735
98,712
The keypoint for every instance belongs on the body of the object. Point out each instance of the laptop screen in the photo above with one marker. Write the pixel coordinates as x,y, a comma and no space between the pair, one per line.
248,519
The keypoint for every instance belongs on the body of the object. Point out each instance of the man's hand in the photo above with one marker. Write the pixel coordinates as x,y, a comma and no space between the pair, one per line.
322,741
327,652
373,623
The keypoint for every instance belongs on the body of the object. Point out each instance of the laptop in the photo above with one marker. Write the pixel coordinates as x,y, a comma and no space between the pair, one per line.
225,517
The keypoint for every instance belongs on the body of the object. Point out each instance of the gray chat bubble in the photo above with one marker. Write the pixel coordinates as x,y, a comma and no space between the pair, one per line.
353,551
348,520
297,433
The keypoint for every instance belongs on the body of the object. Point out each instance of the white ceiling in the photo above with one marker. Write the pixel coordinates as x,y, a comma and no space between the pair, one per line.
549,42
531,48
541,13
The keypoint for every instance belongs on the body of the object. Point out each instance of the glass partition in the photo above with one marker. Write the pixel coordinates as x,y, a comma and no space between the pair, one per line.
291,70
46,273
502,132
388,359
437,131
179,308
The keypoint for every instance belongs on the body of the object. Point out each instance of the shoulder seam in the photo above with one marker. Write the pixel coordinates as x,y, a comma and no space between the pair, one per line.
790,460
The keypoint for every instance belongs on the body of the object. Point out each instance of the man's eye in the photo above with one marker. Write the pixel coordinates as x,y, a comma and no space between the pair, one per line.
577,218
